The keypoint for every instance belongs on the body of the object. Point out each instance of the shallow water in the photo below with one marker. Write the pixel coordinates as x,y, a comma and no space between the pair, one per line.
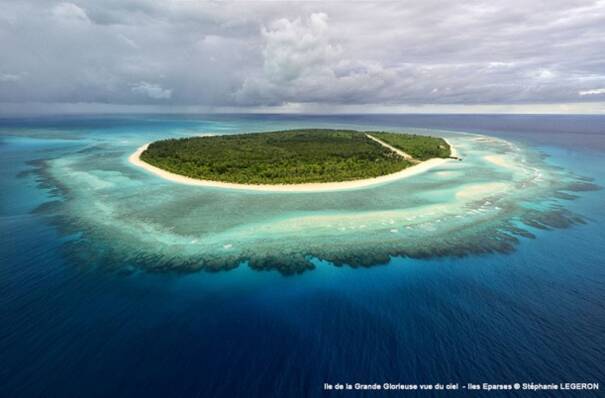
494,269
128,215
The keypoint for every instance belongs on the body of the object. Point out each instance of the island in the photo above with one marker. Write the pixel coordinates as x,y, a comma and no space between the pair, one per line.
293,160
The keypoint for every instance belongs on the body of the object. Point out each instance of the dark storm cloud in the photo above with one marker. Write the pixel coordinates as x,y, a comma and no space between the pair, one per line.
255,54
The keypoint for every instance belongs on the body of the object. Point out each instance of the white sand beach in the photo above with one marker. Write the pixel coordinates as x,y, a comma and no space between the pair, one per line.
419,168
453,151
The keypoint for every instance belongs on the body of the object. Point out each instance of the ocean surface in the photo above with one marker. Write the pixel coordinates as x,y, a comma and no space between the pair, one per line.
114,282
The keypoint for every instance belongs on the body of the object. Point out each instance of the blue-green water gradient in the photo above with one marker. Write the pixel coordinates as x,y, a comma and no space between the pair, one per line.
86,311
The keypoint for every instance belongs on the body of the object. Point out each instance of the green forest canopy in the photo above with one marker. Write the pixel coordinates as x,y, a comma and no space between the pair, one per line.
420,147
291,156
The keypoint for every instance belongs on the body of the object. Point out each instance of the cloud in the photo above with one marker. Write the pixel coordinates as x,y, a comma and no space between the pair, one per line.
70,12
295,48
9,77
593,92
312,60
302,64
150,90
332,54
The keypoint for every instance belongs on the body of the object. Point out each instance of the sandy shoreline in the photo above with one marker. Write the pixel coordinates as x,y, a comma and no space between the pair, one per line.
453,152
135,159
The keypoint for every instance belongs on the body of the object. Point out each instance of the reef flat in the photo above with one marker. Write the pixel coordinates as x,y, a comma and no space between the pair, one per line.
499,195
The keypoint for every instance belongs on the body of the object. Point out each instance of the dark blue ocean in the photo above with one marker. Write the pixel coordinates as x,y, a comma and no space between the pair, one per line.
71,327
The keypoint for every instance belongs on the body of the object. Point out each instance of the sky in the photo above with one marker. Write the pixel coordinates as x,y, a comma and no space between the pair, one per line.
315,56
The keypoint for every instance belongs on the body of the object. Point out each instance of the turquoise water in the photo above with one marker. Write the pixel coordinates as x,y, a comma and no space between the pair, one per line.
475,206
485,270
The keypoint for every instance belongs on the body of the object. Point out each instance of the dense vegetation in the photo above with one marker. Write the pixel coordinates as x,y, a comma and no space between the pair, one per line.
281,157
420,147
